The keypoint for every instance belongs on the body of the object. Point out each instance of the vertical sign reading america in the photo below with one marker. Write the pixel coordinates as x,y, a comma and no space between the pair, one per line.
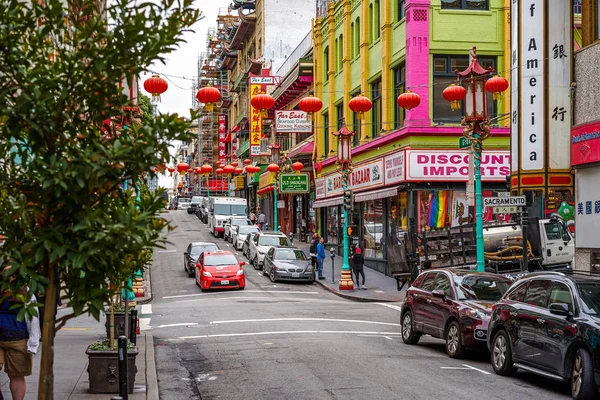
531,85
514,87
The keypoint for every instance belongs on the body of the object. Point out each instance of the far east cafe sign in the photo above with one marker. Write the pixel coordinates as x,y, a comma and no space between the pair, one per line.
415,166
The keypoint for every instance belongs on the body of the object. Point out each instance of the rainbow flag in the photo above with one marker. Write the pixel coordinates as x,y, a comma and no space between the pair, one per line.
438,209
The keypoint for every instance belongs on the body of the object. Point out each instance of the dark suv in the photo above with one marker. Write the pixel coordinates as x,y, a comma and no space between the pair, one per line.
452,304
548,323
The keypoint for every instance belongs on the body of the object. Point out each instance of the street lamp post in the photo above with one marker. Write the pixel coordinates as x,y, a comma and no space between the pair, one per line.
344,160
477,129
206,170
274,169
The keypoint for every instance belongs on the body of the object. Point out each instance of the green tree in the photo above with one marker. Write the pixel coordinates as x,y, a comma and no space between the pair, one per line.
67,222
147,109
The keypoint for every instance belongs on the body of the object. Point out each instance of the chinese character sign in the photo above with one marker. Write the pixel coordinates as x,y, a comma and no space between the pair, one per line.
587,209
222,132
255,123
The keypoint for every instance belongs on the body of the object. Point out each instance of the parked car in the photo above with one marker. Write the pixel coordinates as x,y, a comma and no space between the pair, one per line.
246,244
548,323
202,210
220,270
194,204
191,254
262,242
451,304
231,224
283,263
183,203
238,238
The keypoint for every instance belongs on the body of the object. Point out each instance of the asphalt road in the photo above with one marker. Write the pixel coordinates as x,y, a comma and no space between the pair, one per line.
278,341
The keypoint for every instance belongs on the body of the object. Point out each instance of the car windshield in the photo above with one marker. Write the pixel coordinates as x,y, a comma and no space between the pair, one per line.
238,222
185,200
230,209
289,254
246,229
590,297
196,199
197,250
474,287
222,259
279,241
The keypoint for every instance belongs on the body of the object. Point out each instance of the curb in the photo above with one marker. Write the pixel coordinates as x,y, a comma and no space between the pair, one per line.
147,287
359,299
151,378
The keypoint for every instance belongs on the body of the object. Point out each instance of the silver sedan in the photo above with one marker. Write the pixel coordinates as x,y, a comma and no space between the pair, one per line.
290,264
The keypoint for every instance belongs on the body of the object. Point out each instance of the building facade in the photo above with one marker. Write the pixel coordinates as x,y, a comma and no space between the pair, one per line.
408,167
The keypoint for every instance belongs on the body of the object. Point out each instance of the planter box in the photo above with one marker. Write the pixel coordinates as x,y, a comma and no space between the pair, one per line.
119,325
103,370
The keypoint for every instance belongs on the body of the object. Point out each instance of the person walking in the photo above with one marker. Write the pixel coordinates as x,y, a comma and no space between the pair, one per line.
313,251
262,220
358,262
320,258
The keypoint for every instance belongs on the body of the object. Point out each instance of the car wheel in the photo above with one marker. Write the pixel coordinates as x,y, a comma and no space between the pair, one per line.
502,354
191,274
454,346
272,276
255,263
582,376
409,336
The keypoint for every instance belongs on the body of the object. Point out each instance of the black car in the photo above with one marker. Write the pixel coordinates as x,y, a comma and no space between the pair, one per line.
548,323
191,254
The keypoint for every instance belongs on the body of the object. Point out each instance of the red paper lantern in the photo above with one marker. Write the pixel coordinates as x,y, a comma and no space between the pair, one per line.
319,167
208,95
182,167
198,170
251,169
156,86
310,105
238,171
263,102
235,163
228,169
409,100
360,104
273,168
297,166
171,170
219,171
454,94
247,161
190,170
496,85
206,169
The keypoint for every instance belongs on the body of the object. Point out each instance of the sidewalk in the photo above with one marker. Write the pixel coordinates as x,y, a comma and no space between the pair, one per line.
380,287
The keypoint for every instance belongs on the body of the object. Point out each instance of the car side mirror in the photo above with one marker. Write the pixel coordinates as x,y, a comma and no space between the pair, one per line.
439,293
186,253
242,263
561,309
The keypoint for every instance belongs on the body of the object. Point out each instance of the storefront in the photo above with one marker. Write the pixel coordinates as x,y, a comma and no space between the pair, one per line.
265,196
427,186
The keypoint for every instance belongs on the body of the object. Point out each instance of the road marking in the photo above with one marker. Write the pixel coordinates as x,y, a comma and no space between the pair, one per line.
245,291
468,367
172,325
387,337
144,324
397,308
287,333
76,329
166,251
146,309
302,319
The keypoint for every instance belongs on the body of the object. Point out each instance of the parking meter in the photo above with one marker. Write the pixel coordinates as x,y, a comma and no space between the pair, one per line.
332,254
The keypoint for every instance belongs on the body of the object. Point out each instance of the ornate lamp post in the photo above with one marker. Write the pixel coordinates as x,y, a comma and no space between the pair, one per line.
344,160
274,169
472,87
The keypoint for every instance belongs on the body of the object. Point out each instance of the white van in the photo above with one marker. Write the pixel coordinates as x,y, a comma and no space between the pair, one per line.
222,208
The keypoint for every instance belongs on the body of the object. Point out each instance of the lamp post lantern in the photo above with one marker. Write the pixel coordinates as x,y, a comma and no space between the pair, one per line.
206,170
344,159
274,169
472,88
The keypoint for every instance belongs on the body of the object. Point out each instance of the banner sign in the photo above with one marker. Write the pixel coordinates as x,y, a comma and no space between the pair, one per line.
453,165
292,122
394,168
294,183
362,177
585,144
587,210
255,123
222,133
320,188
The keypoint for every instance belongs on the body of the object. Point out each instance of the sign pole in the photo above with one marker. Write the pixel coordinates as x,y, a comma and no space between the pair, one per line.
275,220
524,222
477,148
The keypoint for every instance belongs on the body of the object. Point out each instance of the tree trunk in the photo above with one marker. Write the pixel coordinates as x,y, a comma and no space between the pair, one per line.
46,383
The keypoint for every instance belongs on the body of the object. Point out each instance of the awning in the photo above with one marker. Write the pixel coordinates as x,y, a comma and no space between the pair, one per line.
375,194
336,201
303,148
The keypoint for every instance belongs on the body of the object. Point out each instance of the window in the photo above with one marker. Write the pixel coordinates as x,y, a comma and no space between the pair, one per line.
443,283
336,61
266,240
352,41
373,228
465,4
590,297
355,121
371,37
481,287
332,225
537,293
518,294
377,20
560,293
399,86
340,53
221,259
326,133
357,37
326,64
376,110
400,11
397,216
443,76
428,281
290,254
576,6
339,110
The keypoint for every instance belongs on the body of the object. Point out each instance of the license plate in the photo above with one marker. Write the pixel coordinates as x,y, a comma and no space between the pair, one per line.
224,282
295,275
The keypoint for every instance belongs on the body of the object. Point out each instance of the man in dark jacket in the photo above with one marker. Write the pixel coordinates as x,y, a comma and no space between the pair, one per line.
358,261
313,250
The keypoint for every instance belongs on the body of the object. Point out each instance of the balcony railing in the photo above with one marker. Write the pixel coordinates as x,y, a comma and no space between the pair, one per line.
300,50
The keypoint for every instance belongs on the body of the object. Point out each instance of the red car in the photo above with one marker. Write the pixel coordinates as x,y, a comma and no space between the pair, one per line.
451,304
220,270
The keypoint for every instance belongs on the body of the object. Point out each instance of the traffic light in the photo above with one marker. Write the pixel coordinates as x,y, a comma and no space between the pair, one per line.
348,200
508,183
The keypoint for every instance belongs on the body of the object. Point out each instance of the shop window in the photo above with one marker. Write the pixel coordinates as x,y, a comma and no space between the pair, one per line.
326,133
376,110
397,215
465,4
357,37
444,76
434,208
326,64
400,11
399,87
332,225
373,236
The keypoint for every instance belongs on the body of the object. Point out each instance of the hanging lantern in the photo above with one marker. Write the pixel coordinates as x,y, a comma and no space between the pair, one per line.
344,145
273,168
496,85
229,169
360,104
219,171
198,170
263,102
409,100
190,170
171,170
454,94
206,169
319,166
251,169
247,161
310,105
235,163
156,86
238,171
208,95
297,166
182,167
